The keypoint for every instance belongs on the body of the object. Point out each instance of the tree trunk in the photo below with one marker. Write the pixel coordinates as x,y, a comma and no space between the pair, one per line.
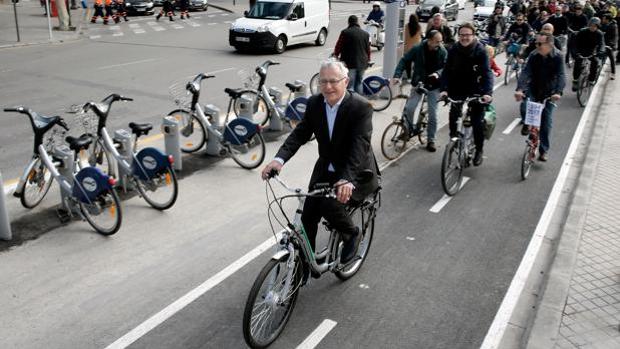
63,15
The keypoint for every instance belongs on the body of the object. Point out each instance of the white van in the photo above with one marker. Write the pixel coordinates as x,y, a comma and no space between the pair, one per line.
276,24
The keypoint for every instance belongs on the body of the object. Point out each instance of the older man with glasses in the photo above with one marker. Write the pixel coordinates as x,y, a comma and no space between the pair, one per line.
341,121
542,77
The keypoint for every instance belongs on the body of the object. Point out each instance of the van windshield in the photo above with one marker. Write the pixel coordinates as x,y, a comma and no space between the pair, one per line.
269,10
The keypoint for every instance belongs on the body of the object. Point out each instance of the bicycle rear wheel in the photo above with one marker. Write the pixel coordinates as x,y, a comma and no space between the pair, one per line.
381,99
527,161
193,133
364,218
37,185
260,111
314,84
394,140
584,90
161,190
452,168
251,153
100,158
267,310
104,213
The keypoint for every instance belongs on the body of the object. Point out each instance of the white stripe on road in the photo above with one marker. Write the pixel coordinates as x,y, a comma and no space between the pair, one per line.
228,22
498,328
139,31
118,34
219,71
134,25
193,24
152,23
211,23
191,296
211,16
512,125
94,36
446,198
158,28
318,334
128,63
177,26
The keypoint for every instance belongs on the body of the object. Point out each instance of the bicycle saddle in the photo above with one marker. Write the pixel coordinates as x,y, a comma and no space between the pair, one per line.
140,129
77,144
294,87
233,92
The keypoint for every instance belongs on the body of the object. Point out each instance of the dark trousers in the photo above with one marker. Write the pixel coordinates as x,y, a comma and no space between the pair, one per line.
333,211
476,117
609,54
594,62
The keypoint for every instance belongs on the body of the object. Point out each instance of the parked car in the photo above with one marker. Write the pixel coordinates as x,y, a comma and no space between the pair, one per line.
194,5
276,24
484,11
139,7
449,9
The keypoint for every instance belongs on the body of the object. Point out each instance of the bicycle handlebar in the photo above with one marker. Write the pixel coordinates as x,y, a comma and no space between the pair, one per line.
477,99
320,189
19,109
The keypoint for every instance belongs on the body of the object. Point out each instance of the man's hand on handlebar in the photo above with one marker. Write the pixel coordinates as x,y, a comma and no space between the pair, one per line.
344,190
555,97
274,167
519,95
486,99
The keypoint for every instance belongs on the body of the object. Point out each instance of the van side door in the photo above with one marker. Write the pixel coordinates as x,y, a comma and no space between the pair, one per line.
298,24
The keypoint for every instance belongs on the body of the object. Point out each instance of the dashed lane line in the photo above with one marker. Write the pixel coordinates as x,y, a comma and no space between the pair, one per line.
511,126
446,198
318,334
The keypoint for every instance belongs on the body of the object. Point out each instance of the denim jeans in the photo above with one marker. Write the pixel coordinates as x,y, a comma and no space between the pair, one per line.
476,116
546,122
411,105
356,77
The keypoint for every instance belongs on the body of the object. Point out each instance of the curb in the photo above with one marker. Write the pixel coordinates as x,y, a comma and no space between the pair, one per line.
71,38
547,320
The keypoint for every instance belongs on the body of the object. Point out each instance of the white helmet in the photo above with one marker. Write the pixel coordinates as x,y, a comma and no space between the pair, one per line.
376,3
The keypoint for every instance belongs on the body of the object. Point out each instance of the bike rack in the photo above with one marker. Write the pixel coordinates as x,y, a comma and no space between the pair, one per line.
5,226
172,140
123,137
66,156
214,147
275,123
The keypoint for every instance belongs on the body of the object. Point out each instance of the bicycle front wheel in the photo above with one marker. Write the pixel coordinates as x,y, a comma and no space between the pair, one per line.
527,161
161,190
508,72
37,185
314,84
394,140
104,213
452,168
422,123
249,154
584,90
267,309
381,99
193,133
260,110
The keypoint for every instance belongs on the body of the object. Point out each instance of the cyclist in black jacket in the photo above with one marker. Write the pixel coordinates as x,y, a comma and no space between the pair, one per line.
577,20
589,41
520,28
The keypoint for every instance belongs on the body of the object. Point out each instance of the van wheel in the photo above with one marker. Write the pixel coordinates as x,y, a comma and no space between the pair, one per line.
280,45
320,40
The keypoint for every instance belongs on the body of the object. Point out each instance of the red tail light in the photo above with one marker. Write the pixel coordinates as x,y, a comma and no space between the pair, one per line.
171,159
112,181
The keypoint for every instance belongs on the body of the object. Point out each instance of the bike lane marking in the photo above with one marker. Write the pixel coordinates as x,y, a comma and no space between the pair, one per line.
506,309
169,311
318,334
512,125
446,198
128,63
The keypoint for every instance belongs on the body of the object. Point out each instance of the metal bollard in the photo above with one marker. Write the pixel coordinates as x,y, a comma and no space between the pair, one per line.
275,124
125,139
213,113
302,91
5,225
172,140
65,155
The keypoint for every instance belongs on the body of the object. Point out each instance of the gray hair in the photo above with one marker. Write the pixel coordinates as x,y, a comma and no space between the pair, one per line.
334,63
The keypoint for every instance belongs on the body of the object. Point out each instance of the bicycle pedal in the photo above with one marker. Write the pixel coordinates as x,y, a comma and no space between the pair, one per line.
64,215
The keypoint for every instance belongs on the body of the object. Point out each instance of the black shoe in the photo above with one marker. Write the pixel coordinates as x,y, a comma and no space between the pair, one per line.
350,248
431,147
575,85
416,131
478,158
525,130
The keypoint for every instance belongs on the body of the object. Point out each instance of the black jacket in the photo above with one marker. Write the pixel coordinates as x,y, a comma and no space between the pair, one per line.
446,32
520,31
543,76
576,23
353,47
611,34
560,24
348,150
467,72
589,42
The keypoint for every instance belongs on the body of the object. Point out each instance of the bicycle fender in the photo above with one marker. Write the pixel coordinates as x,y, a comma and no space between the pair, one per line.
280,255
373,84
296,109
89,183
239,130
150,162
22,180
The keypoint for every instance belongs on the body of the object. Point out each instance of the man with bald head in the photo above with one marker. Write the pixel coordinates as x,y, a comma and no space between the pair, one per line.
547,28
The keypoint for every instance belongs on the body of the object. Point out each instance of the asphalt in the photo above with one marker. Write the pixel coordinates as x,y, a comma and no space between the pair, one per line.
432,280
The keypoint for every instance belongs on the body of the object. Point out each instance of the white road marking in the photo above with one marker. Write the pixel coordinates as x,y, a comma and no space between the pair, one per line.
211,16
224,14
446,198
512,125
211,23
134,25
191,296
410,238
364,286
196,17
159,29
128,63
139,31
177,26
500,322
193,24
228,22
219,71
114,28
118,34
318,334
152,23
94,36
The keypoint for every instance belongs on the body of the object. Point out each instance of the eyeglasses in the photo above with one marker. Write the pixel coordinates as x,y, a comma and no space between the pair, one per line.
465,35
324,82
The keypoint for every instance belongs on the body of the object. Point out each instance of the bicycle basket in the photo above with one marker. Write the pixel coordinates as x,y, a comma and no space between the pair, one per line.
179,93
513,49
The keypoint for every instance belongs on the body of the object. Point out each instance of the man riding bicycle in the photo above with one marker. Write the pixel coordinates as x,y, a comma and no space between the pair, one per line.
428,59
542,77
589,42
468,73
520,30
342,124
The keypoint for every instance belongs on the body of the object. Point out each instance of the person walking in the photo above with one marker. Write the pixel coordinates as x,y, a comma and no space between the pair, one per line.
413,33
468,73
121,11
609,27
108,11
428,59
166,9
353,48
184,6
98,6
542,77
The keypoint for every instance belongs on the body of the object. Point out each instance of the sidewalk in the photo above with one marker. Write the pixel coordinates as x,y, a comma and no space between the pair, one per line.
33,25
580,305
